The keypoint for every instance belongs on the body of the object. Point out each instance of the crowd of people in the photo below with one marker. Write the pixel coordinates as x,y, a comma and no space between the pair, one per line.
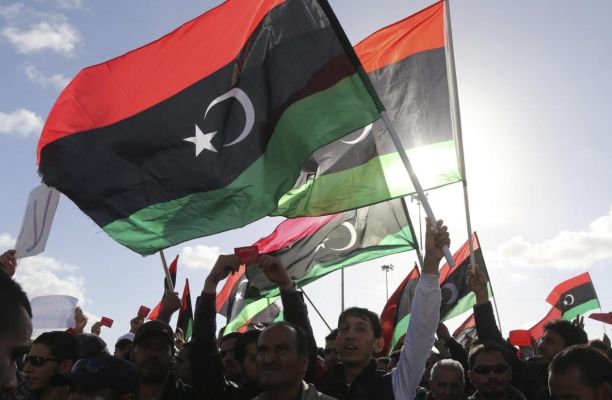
282,361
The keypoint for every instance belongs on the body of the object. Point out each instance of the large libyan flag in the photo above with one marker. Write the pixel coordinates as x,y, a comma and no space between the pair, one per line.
406,63
206,128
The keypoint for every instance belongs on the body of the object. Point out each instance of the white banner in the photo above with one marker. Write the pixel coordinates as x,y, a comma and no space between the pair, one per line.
53,312
36,225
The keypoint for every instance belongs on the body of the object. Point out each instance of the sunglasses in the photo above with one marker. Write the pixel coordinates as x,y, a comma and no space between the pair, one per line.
38,361
485,369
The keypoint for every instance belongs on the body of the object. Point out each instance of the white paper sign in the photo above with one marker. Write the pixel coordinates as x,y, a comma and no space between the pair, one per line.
36,225
53,312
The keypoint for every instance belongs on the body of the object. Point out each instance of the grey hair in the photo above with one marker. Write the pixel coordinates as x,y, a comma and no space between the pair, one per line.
448,364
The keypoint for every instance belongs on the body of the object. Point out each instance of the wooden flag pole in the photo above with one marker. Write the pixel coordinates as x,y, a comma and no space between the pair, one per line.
415,182
166,271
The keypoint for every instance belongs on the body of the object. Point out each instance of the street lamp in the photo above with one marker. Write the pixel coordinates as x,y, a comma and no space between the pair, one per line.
387,268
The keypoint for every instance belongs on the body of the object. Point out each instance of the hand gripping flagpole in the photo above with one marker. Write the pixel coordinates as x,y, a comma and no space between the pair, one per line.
168,277
415,181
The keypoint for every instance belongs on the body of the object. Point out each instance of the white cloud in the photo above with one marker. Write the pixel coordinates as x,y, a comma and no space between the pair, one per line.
56,81
567,250
200,256
22,122
6,241
70,4
55,34
11,11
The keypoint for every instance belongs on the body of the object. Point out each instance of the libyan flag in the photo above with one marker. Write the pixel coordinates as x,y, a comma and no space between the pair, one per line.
574,296
185,317
406,63
312,247
204,130
154,314
396,314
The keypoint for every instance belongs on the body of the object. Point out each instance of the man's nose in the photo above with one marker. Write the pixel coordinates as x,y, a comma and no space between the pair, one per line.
9,384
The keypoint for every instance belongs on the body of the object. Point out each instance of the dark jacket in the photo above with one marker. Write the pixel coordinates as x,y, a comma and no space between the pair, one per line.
371,384
513,394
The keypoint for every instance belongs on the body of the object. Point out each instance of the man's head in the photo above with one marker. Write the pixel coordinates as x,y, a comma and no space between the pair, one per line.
490,369
153,349
431,361
447,380
123,347
557,336
246,354
51,353
103,377
359,336
580,373
282,356
231,367
601,347
331,353
15,330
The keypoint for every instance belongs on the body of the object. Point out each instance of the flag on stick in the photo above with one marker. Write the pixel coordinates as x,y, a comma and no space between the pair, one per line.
185,317
203,130
574,296
406,63
154,313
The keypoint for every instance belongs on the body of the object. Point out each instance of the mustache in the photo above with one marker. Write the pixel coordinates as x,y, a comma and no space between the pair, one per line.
270,366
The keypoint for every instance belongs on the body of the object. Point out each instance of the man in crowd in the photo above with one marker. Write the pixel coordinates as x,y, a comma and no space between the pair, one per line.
227,347
246,356
282,361
101,378
123,347
51,353
331,354
491,373
447,381
580,373
360,337
153,350
15,330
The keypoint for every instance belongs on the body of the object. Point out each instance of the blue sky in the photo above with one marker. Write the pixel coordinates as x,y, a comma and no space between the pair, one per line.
535,94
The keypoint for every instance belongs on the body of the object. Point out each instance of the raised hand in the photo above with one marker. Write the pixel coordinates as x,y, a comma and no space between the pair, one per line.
8,262
225,265
135,323
179,338
442,332
433,245
275,271
96,328
477,283
80,320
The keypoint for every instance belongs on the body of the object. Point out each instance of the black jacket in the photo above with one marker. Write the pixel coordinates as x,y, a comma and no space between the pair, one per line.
371,384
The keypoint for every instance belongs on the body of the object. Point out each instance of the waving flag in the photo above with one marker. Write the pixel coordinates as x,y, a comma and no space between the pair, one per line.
203,130
574,296
466,331
185,317
396,314
406,63
537,331
154,313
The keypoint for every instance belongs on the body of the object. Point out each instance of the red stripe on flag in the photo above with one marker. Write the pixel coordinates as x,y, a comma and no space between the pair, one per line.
225,293
470,322
567,285
459,257
292,230
186,295
537,331
203,45
419,32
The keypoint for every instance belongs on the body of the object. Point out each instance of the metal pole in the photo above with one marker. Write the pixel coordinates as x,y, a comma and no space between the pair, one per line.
418,248
316,309
168,277
415,182
386,268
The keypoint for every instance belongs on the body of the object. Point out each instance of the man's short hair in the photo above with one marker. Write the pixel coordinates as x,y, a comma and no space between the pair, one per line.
332,335
231,335
62,345
363,313
450,364
486,348
599,344
594,367
11,297
570,333
240,349
301,338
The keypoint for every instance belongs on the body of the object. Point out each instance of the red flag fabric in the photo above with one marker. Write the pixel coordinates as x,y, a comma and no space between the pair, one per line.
537,331
154,314
603,317
466,331
520,337
555,295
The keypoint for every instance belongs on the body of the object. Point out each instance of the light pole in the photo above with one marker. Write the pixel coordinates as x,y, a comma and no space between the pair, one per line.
387,268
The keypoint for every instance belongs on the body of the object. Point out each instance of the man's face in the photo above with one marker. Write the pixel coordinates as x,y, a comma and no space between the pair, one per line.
446,385
152,358
182,366
569,386
13,345
249,364
278,362
551,344
356,342
491,374
122,350
40,366
231,368
331,354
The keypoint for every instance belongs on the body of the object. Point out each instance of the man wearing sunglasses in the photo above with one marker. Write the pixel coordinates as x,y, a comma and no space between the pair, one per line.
51,353
491,374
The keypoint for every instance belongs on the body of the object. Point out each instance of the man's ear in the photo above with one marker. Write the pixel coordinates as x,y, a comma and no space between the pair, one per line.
304,362
379,343
64,366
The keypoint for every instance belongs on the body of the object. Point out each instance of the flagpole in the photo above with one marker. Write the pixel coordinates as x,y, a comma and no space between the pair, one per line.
342,290
168,277
316,309
418,249
415,181
600,309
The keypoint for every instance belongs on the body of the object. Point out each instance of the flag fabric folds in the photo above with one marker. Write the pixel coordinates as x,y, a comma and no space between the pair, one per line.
466,331
206,128
574,296
406,63
396,313
602,317
185,317
172,269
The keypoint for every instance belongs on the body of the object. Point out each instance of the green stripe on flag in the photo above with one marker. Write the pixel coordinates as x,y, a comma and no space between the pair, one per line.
248,312
399,331
339,110
464,304
581,309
